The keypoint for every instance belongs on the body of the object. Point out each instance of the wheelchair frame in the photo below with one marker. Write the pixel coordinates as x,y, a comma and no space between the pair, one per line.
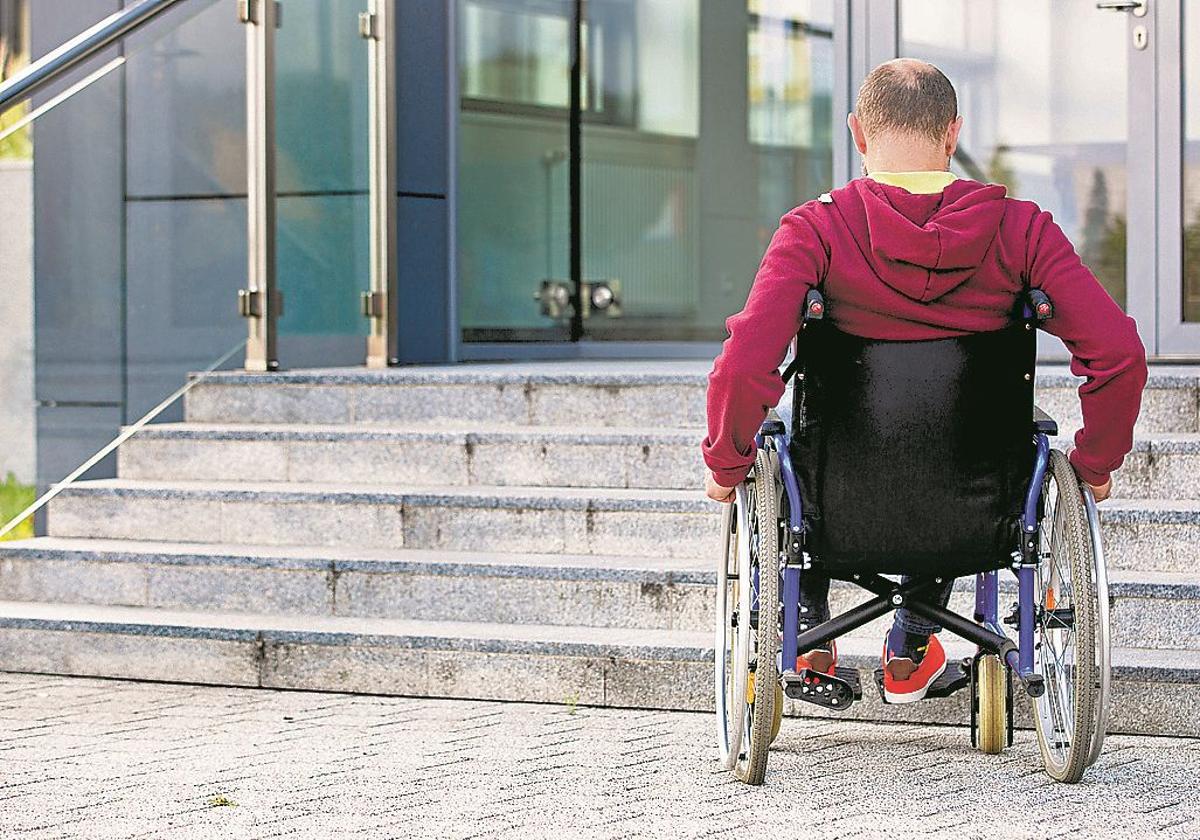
985,631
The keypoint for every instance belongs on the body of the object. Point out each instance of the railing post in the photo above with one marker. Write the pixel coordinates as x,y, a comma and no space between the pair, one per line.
260,302
380,303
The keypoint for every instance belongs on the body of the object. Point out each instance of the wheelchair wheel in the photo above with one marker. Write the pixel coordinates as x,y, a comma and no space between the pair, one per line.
1104,636
733,636
777,720
1070,648
991,704
747,674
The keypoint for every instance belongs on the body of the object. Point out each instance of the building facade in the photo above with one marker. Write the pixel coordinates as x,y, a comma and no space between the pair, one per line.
633,154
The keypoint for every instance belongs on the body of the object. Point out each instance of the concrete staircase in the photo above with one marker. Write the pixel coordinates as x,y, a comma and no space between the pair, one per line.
526,532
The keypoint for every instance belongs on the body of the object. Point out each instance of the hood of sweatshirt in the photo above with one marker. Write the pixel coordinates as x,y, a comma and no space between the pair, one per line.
923,245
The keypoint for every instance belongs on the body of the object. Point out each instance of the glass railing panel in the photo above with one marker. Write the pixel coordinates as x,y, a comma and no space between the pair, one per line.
123,242
321,158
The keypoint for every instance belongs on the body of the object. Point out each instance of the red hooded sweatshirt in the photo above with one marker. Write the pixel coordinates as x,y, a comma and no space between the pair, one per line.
906,266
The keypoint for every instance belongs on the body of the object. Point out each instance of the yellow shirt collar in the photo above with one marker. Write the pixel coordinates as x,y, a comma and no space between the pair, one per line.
923,181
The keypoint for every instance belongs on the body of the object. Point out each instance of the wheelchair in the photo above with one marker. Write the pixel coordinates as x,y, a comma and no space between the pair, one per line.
927,459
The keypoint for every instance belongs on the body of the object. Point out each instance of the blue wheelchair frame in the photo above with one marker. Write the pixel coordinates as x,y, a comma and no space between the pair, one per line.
985,631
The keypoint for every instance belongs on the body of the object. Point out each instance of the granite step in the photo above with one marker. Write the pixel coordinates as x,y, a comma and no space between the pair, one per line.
422,454
636,394
1160,466
1164,466
518,588
1158,610
670,523
1140,534
1154,692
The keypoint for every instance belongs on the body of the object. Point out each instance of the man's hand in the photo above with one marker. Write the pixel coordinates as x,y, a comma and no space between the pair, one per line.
717,492
1103,491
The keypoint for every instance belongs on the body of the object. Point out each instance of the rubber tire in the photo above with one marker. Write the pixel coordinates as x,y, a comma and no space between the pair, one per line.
730,716
756,742
991,695
1077,542
777,722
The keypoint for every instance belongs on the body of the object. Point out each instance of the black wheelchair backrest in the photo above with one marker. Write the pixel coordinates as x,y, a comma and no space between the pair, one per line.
913,456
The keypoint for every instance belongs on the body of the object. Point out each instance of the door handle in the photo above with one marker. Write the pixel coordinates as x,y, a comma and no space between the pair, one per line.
1138,7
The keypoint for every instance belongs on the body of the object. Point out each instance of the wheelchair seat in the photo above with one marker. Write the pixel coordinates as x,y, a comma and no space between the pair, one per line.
913,457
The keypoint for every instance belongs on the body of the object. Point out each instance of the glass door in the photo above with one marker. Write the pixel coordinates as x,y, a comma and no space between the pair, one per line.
622,164
1092,109
513,204
1179,174
1053,104
702,124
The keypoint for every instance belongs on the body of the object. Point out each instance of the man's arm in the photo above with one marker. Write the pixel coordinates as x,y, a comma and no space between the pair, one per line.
1105,348
745,382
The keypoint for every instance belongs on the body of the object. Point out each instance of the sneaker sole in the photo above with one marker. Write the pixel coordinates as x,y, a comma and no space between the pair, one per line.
901,697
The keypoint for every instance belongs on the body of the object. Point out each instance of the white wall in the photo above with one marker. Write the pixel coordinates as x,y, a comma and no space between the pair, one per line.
16,320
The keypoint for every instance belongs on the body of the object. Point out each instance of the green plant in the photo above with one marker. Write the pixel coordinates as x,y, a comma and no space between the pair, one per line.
19,144
14,498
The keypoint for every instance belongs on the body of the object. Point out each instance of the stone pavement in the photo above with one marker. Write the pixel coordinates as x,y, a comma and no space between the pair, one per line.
95,759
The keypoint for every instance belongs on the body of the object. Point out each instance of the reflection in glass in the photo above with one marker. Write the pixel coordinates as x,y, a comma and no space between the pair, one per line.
790,45
678,223
1191,169
321,155
515,55
513,210
1042,87
689,158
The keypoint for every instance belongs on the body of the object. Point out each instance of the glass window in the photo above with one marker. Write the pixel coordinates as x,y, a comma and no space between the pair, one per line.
1042,87
1191,164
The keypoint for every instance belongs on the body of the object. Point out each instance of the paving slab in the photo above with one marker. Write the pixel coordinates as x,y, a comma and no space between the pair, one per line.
118,760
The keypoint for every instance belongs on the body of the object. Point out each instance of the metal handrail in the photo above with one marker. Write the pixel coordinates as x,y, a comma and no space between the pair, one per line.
83,46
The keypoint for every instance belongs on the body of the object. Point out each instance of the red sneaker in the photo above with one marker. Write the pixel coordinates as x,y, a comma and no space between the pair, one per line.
906,679
823,660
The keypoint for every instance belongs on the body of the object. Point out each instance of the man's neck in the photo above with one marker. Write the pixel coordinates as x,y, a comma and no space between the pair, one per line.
905,165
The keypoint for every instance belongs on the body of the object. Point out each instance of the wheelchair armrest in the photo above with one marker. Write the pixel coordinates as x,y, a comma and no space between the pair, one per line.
814,306
1044,423
1037,306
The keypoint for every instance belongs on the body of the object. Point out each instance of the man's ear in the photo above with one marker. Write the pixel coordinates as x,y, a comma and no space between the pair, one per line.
952,136
856,131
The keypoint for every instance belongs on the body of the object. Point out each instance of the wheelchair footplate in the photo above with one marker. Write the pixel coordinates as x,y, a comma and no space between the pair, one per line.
837,691
957,675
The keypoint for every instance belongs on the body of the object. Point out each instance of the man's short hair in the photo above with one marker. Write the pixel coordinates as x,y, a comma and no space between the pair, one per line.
907,96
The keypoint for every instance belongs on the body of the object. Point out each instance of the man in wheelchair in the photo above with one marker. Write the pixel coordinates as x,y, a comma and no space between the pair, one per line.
915,389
